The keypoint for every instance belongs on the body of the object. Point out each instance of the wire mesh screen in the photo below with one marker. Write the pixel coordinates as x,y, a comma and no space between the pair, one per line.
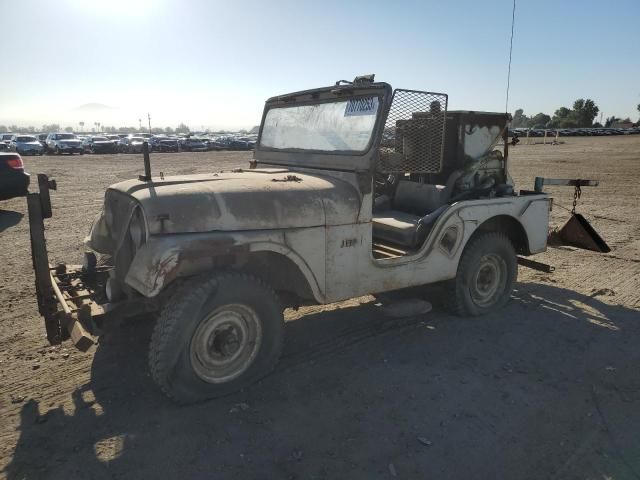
413,136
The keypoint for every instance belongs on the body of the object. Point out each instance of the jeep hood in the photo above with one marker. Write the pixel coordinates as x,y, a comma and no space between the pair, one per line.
229,201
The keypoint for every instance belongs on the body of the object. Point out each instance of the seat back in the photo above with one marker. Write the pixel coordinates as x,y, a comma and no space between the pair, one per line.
418,198
423,198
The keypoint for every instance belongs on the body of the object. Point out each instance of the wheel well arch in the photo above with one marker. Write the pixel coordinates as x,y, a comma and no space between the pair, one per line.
282,274
511,227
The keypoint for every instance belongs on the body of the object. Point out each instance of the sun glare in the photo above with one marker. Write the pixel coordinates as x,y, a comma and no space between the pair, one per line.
120,8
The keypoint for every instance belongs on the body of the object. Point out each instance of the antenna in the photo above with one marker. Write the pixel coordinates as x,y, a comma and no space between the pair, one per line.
513,19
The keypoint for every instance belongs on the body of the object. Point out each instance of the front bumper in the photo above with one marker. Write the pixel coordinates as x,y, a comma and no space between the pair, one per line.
30,150
71,148
71,298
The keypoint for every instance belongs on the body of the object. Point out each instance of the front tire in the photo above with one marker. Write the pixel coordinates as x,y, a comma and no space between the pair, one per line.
487,272
216,335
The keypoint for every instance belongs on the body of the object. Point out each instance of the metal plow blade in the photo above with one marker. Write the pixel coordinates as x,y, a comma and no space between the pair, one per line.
578,232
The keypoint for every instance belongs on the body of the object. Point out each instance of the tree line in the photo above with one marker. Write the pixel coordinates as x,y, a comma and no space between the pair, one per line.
581,115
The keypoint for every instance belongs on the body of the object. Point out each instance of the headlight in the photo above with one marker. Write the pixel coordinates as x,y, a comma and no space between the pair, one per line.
137,230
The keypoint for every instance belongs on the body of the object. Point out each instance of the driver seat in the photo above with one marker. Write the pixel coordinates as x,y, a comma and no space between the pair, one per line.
414,210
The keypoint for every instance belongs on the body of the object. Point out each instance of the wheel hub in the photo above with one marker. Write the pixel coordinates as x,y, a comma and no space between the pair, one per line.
489,280
225,343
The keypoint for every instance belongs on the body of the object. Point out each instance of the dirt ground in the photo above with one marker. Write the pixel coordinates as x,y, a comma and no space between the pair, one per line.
549,387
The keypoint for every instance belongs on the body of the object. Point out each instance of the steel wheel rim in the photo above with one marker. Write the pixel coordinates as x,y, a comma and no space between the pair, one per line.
489,280
225,343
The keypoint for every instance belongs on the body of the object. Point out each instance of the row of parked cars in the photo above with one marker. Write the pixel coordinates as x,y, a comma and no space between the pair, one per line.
572,132
59,143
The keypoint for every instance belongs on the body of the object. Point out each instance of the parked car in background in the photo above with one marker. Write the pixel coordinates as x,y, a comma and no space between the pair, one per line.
6,137
98,145
42,138
60,143
14,181
168,145
115,139
237,144
193,144
132,144
214,144
26,145
155,141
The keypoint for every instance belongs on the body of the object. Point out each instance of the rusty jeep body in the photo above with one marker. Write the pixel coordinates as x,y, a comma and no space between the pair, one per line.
354,189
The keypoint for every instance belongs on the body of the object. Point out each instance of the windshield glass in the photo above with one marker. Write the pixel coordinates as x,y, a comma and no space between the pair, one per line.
340,126
66,136
100,139
137,139
26,139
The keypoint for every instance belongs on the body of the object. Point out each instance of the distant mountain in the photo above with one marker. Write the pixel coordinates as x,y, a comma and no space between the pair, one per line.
255,129
93,108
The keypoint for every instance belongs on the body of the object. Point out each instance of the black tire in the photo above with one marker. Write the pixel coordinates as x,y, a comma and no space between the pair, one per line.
185,336
487,272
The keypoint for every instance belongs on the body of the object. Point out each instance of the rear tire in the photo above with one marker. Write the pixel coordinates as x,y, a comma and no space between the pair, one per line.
215,336
487,272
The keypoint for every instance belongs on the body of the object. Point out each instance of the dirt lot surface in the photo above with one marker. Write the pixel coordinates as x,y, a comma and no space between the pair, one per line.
549,387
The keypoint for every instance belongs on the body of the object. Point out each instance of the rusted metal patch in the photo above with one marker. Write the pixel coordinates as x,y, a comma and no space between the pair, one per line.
288,178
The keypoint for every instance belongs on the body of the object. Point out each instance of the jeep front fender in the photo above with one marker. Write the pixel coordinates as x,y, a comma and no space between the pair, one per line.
162,259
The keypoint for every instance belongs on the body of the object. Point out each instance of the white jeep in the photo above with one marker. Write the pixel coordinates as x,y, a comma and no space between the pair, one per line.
354,189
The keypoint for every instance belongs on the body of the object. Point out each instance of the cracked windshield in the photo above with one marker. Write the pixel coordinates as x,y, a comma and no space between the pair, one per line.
342,126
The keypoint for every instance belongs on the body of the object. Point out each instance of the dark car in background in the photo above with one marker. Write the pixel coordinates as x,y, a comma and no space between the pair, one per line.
237,144
155,141
168,145
115,139
26,145
132,144
98,145
193,144
215,144
14,181
60,143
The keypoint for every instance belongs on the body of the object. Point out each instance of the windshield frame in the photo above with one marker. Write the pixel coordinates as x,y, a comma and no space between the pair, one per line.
343,160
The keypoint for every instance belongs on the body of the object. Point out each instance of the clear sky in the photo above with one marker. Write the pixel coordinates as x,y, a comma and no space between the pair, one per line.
212,63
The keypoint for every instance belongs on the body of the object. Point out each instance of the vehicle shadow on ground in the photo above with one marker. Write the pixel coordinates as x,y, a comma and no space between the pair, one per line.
546,388
9,218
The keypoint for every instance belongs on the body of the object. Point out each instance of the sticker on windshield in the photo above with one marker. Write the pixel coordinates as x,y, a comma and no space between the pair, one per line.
361,106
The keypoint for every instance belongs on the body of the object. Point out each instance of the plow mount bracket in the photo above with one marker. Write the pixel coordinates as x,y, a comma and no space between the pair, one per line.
54,286
577,231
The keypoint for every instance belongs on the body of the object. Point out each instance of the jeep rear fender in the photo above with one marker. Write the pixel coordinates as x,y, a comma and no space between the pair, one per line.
162,259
